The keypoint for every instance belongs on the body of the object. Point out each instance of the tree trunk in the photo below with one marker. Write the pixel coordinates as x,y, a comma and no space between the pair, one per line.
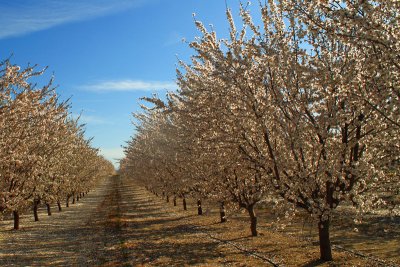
48,209
199,208
222,212
324,241
67,203
35,210
73,199
59,206
167,198
174,201
184,203
77,198
253,220
16,219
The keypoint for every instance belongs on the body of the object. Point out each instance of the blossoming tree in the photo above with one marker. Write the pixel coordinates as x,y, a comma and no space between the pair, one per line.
35,140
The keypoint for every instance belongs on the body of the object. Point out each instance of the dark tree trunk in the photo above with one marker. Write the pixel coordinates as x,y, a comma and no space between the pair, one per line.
16,219
35,210
199,208
167,198
67,202
175,201
77,198
73,199
324,241
253,220
184,203
222,212
48,209
59,206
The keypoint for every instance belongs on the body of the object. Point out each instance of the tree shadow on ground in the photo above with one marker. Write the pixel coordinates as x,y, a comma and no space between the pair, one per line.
115,226
313,263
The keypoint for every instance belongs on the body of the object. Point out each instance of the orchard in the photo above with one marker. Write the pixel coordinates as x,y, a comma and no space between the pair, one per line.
278,143
44,155
303,107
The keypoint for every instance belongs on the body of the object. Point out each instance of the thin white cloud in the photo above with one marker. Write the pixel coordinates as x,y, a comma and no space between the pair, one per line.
174,38
113,154
30,16
130,85
90,119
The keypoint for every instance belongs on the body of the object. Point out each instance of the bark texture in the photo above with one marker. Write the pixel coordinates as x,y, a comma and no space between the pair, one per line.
35,211
16,219
184,204
324,240
199,208
48,209
222,212
253,220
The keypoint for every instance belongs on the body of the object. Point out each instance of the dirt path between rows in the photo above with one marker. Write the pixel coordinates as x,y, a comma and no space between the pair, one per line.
80,235
121,224
118,224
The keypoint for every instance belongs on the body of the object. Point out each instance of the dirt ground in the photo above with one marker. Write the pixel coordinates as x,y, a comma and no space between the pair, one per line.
120,224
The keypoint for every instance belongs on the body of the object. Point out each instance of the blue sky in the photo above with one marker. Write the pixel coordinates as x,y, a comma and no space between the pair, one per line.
106,54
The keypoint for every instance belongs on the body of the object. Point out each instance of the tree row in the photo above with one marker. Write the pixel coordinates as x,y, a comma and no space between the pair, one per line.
301,109
44,156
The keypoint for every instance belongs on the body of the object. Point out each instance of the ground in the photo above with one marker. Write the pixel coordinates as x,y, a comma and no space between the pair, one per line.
121,224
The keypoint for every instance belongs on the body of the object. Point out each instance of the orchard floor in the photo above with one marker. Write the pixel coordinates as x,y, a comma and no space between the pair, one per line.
121,224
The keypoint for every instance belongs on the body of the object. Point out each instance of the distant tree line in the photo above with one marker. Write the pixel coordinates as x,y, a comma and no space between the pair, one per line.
44,156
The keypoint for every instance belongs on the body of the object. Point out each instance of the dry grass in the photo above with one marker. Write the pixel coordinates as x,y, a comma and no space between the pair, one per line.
284,248
120,224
